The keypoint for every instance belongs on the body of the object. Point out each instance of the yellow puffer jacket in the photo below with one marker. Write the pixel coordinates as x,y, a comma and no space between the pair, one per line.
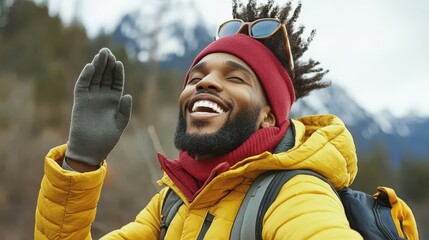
305,208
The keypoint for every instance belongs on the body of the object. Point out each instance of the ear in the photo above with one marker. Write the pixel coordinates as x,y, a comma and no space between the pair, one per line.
266,118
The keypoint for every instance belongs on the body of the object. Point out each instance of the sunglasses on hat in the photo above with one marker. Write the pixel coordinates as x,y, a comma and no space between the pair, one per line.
258,29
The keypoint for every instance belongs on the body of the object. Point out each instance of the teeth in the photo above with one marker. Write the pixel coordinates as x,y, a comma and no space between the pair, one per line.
207,104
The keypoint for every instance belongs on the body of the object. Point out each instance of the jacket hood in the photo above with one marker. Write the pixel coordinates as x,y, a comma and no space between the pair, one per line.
322,144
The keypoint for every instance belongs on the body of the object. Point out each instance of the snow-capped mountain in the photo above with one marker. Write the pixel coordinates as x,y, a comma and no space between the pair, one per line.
402,136
167,31
325,100
179,33
336,100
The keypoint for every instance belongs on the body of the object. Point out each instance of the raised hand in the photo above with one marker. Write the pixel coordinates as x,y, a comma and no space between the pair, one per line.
100,110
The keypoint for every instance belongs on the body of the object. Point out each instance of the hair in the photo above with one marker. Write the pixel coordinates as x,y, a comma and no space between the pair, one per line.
306,75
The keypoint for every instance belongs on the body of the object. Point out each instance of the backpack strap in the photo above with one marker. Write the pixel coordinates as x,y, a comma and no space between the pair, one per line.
246,220
256,193
261,194
170,206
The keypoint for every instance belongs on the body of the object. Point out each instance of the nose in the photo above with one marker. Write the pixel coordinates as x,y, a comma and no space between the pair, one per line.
209,82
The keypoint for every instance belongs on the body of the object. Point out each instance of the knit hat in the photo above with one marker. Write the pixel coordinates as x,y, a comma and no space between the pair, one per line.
272,75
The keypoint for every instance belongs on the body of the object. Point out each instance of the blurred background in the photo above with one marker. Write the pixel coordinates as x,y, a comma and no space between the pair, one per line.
376,59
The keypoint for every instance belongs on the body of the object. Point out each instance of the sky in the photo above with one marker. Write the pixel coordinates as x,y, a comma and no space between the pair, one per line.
376,50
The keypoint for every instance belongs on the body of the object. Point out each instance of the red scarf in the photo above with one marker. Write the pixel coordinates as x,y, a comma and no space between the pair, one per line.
192,175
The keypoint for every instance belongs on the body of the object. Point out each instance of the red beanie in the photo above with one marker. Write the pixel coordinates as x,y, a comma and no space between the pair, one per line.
270,72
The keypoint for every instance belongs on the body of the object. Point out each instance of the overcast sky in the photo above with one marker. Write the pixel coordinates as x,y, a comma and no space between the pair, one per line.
376,49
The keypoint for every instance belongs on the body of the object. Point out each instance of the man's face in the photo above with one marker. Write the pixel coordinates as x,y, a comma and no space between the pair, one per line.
222,90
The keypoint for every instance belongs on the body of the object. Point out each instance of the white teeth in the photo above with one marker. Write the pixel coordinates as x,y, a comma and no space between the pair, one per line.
207,104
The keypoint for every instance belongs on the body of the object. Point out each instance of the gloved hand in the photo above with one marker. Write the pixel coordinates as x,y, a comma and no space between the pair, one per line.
100,111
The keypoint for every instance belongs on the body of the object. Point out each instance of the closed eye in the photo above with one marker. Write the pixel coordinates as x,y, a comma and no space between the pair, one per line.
194,81
236,79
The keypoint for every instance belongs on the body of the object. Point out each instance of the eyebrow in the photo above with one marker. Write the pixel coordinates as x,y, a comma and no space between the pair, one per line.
239,66
232,64
198,66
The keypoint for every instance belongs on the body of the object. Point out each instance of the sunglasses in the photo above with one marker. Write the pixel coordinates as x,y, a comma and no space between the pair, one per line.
258,29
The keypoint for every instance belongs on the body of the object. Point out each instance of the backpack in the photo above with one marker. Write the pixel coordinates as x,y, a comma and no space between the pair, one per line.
382,216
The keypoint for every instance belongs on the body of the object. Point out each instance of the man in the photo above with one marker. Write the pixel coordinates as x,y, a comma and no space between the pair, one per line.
233,120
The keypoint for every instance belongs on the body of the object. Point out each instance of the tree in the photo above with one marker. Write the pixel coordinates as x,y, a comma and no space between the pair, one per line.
375,170
415,179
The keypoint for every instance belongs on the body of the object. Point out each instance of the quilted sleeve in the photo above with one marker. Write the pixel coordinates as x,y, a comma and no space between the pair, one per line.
67,200
307,208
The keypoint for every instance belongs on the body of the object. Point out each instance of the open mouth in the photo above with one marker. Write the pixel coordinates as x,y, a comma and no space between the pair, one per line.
206,106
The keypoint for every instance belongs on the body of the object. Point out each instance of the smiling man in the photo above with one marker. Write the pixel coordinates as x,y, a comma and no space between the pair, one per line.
223,104
233,126
233,106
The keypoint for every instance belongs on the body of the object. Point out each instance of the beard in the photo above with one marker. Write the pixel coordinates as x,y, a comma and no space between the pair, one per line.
230,136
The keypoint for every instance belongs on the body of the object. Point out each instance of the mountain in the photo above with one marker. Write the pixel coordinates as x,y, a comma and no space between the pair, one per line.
405,136
173,32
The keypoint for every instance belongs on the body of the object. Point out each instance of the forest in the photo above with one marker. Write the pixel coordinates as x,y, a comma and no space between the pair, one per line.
40,60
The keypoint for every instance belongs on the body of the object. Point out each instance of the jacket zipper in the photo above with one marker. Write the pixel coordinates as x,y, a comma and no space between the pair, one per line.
206,225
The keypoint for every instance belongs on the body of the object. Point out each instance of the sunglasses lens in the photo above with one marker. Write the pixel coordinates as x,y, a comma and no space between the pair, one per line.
229,28
264,28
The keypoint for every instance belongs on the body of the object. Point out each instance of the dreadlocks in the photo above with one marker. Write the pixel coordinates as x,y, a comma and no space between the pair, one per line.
306,75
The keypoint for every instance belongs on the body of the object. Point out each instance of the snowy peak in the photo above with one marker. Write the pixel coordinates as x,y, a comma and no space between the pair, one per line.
161,29
403,126
389,124
401,135
332,100
335,100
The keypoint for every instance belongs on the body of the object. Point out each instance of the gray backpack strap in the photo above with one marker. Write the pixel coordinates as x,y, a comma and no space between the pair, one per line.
244,218
262,193
245,221
170,206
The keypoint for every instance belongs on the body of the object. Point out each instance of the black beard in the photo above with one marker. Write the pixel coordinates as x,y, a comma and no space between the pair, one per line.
230,136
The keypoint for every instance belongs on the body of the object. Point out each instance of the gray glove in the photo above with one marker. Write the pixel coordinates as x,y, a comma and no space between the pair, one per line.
100,111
